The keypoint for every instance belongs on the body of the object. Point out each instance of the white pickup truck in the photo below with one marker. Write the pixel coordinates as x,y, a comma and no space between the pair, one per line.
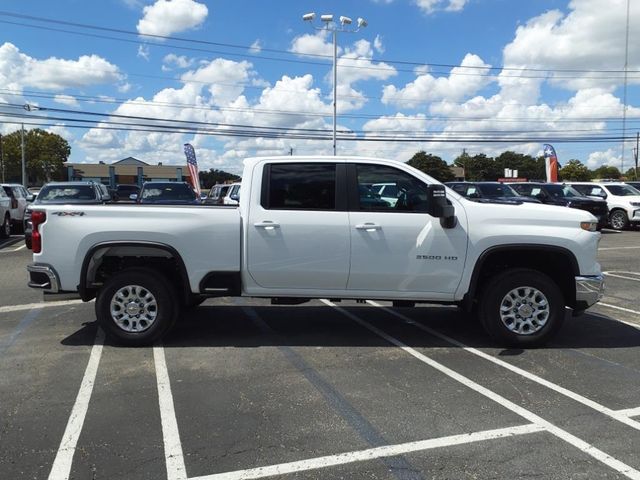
313,227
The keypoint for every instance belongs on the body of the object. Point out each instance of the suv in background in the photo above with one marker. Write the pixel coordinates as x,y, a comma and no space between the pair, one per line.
233,195
564,196
623,201
217,194
64,193
19,197
124,191
489,192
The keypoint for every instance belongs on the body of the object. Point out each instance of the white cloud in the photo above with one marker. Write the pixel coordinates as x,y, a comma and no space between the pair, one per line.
143,52
66,100
430,6
313,44
607,157
462,82
18,70
171,61
590,37
166,17
377,44
256,47
226,79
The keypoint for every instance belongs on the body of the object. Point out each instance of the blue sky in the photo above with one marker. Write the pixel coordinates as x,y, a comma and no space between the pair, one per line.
437,75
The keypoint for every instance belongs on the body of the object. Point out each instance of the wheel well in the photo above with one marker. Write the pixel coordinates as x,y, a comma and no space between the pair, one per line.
103,261
558,263
617,209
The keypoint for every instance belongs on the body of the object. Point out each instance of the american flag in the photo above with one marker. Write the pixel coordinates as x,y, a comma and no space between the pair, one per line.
193,166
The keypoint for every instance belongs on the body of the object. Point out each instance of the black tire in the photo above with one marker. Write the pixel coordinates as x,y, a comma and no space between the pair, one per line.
27,242
542,300
5,228
152,323
618,220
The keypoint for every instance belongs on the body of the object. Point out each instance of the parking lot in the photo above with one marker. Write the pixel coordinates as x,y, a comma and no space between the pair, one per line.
241,389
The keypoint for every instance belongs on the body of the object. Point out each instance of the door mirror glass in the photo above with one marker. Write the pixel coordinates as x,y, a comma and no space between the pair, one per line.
133,196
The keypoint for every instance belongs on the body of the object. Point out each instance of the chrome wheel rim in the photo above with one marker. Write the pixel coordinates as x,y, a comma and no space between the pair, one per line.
524,310
7,226
617,221
133,308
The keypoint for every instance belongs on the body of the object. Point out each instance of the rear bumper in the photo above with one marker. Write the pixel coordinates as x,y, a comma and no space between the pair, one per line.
589,290
43,277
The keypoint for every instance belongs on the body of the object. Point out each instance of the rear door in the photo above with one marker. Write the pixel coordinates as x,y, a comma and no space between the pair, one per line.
298,231
396,246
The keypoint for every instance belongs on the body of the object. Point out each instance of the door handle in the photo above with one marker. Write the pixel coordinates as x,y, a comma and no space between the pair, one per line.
369,227
267,225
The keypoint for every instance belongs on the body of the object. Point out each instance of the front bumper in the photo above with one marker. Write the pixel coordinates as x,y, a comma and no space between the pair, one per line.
589,290
43,277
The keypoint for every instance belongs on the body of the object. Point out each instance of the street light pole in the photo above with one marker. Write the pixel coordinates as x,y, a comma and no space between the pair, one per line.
332,26
24,168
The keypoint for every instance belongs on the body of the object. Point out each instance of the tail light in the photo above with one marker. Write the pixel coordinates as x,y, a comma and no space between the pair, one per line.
37,218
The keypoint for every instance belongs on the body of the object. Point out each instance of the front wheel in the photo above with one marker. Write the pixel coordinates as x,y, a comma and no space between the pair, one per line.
522,308
5,229
619,220
136,307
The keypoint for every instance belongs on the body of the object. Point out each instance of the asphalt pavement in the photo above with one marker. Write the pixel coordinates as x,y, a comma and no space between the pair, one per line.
242,389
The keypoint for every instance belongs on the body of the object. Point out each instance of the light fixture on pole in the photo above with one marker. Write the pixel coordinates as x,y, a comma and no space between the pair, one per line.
334,28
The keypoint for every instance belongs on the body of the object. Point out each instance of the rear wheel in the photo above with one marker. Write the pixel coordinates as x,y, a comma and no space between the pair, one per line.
619,220
522,308
5,228
136,307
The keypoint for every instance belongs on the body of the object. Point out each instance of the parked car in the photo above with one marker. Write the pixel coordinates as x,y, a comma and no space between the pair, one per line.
19,197
167,193
565,196
63,193
5,214
489,192
233,195
216,194
124,191
623,201
635,185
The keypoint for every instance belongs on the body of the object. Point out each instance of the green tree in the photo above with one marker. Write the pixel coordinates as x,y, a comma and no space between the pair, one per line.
45,154
605,171
575,171
432,165
478,167
214,176
631,174
527,166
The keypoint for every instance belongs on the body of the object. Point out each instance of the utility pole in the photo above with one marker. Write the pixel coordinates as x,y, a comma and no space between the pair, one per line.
636,151
24,166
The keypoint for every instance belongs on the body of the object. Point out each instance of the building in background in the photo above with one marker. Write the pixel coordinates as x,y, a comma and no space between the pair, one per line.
126,171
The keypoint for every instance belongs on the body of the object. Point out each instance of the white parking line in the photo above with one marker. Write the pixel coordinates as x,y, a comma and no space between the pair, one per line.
622,309
371,454
62,463
580,444
29,306
630,412
523,373
625,277
172,447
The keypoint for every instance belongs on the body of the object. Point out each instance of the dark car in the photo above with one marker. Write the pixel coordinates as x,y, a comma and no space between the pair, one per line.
489,192
64,193
635,185
167,193
565,196
124,191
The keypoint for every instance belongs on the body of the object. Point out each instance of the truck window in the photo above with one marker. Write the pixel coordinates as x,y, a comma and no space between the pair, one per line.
407,193
301,186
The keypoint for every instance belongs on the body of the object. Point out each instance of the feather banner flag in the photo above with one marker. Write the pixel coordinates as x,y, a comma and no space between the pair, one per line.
193,167
551,163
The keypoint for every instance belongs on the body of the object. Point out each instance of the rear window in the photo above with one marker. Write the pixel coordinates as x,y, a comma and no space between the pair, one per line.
178,191
63,193
302,186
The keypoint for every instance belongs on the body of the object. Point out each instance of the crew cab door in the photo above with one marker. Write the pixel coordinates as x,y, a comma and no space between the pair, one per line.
298,231
396,246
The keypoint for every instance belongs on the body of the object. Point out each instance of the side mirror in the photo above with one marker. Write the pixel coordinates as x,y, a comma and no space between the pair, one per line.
235,196
31,197
133,196
439,207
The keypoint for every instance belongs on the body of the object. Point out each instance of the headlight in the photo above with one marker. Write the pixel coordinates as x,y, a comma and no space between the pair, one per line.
589,226
635,204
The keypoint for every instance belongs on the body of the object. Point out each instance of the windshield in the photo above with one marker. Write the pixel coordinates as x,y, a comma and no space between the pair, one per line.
66,193
494,190
167,191
562,191
622,190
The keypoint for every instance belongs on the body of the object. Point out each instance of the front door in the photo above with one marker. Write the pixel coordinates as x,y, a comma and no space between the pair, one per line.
395,245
